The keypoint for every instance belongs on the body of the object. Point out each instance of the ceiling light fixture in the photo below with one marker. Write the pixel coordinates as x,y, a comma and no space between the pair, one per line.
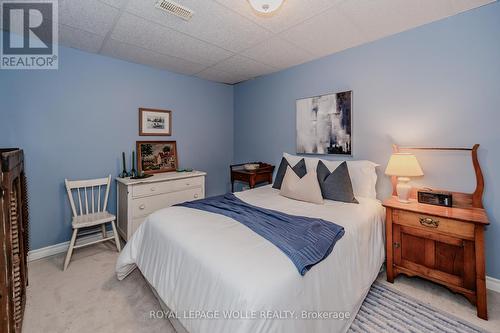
265,6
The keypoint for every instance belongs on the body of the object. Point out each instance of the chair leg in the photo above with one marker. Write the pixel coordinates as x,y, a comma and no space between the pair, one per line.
103,228
117,238
70,249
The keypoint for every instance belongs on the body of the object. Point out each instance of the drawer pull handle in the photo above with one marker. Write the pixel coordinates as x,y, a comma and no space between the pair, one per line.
429,222
142,206
153,189
196,196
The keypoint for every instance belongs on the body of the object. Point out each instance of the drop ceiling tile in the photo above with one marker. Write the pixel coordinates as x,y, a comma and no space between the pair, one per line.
89,15
220,76
324,34
377,19
137,31
291,12
278,53
307,29
243,66
79,39
210,22
140,55
463,5
382,18
115,3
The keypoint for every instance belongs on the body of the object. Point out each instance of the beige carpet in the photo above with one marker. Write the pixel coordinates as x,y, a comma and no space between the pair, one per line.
89,298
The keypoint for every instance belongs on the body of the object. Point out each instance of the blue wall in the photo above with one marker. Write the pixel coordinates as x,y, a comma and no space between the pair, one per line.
4,128
75,122
437,85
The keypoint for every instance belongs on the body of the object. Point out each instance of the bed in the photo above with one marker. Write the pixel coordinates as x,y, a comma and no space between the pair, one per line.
216,275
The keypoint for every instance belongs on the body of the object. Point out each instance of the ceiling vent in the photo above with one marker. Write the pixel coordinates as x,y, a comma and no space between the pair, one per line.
174,8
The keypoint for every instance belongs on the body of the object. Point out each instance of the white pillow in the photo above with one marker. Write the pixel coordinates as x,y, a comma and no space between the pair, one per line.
362,172
311,162
303,189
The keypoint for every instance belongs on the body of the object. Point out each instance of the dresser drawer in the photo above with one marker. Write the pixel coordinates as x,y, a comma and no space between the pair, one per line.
434,223
141,190
146,205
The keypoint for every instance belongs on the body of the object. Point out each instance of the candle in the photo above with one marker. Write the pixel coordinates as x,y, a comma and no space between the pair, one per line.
124,171
133,173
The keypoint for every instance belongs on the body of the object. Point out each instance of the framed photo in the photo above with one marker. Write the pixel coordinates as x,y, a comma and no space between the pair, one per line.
153,122
324,124
156,156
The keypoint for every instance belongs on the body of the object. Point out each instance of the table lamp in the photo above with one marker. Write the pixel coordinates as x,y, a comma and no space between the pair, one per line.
403,165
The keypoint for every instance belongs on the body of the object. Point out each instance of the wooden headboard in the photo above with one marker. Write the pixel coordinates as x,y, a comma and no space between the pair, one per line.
460,199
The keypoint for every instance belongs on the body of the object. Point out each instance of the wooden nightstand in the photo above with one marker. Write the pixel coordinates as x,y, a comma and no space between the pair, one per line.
441,244
263,174
444,245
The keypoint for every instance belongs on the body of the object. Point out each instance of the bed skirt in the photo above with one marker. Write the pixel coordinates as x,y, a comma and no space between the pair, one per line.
179,328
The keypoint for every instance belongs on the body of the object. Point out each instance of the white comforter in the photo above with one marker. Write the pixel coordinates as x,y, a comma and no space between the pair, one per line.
201,261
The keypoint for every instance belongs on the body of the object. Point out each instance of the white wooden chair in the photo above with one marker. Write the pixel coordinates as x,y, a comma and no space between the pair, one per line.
90,213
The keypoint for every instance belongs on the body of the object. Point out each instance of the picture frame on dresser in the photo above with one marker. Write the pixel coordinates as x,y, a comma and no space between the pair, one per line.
155,122
156,156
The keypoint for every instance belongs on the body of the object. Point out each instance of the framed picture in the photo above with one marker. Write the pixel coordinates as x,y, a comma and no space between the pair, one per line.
156,156
153,122
324,124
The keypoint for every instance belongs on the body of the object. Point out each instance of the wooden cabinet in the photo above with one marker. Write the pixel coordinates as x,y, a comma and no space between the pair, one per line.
137,198
13,240
442,244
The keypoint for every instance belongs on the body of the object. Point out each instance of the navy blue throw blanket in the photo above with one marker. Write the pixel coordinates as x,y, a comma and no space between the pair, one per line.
306,241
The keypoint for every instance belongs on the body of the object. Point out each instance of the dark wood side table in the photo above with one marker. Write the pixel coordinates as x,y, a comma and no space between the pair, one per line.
253,177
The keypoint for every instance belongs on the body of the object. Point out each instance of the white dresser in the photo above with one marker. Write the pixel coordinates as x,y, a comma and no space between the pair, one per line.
137,198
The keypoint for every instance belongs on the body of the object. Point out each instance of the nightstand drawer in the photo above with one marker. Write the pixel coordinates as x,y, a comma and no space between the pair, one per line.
435,223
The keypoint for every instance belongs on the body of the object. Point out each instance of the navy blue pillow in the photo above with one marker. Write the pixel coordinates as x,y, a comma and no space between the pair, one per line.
335,185
299,168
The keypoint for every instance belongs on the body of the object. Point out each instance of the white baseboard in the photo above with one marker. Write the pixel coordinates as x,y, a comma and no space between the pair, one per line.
493,284
63,247
47,251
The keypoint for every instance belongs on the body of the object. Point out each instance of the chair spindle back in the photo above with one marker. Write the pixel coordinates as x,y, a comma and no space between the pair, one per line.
88,193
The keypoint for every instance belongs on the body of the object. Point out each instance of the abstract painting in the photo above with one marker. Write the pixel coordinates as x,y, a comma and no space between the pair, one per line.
324,124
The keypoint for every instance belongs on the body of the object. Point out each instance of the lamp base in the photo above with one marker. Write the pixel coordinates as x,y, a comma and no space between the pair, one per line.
403,189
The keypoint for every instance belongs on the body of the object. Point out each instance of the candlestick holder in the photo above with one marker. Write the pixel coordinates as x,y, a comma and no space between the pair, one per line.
124,173
133,172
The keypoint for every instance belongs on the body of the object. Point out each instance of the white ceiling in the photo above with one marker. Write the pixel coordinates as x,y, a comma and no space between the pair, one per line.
226,42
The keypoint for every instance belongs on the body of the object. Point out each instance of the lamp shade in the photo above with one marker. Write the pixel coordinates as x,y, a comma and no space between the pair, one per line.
403,165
